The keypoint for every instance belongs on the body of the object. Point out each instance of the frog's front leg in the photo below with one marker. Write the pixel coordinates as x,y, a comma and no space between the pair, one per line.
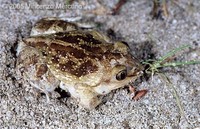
87,97
85,94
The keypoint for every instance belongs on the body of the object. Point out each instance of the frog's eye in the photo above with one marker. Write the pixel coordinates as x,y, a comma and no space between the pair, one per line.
121,75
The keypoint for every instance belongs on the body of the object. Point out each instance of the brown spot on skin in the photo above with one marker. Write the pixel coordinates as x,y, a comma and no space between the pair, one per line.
44,53
41,70
83,69
55,59
36,44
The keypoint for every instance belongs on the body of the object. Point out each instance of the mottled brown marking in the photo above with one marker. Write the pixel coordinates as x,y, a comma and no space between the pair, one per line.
92,49
88,67
44,53
55,59
90,38
41,70
77,53
67,67
65,37
27,60
111,56
83,69
45,24
36,44
66,25
75,37
41,45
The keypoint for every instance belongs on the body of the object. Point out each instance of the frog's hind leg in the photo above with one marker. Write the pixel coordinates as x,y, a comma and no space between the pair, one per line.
48,26
36,85
45,88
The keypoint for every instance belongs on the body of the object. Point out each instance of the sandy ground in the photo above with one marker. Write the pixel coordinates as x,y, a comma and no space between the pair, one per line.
22,106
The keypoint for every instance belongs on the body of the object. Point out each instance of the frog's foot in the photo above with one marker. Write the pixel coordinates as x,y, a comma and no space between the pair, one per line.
47,96
136,95
41,89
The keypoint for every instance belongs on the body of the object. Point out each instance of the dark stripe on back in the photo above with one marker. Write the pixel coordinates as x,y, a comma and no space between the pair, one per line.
75,37
67,50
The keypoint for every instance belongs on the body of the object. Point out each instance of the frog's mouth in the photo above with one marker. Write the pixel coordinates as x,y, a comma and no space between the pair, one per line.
134,77
136,72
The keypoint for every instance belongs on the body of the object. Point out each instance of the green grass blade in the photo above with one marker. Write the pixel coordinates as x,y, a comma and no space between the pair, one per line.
175,94
172,52
174,64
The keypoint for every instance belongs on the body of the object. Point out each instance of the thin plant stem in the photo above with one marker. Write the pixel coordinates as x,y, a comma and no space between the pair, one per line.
175,94
155,65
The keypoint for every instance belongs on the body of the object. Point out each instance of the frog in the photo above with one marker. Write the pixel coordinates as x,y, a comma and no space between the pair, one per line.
84,62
